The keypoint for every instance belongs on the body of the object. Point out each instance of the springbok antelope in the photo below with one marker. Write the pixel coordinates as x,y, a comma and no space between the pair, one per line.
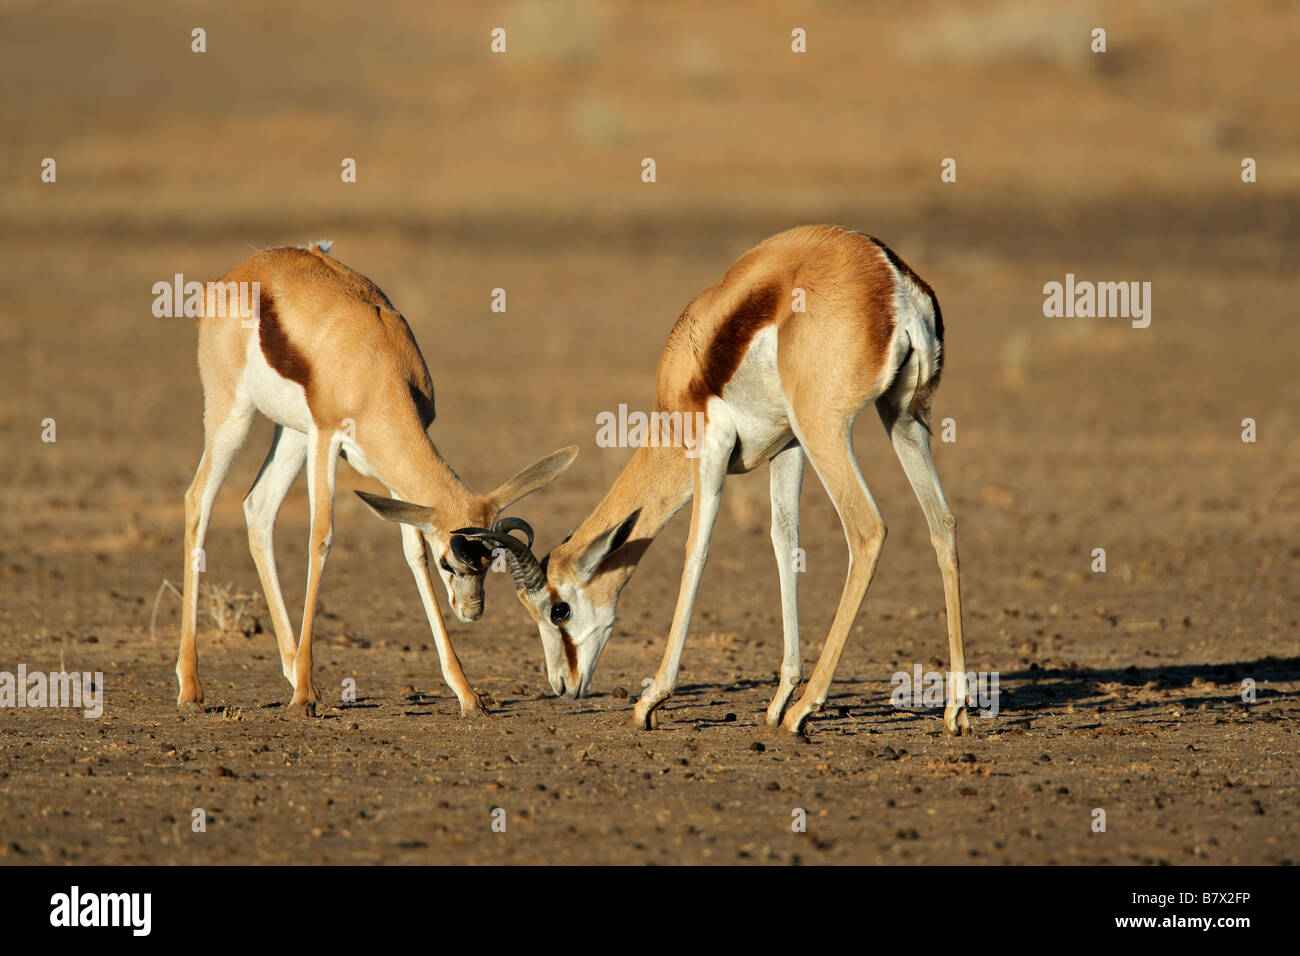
775,383
336,368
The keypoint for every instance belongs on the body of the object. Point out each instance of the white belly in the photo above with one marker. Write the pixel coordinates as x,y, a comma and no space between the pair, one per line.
276,397
757,404
285,402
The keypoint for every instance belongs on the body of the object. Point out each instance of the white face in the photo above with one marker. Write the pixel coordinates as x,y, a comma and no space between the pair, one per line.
464,583
574,632
575,610
462,574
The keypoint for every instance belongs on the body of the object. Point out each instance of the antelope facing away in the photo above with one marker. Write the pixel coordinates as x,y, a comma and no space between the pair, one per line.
336,368
775,383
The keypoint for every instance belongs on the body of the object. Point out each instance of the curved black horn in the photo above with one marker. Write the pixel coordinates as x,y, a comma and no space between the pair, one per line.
506,525
524,567
471,553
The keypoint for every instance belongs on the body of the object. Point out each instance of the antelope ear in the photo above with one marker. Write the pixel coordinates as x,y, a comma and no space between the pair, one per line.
604,546
403,512
533,478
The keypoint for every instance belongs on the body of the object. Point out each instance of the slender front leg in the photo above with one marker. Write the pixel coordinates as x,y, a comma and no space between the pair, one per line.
471,705
322,459
226,425
709,473
785,476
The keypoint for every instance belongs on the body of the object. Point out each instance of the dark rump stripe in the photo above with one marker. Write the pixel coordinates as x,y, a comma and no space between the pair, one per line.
723,356
904,269
280,353
923,394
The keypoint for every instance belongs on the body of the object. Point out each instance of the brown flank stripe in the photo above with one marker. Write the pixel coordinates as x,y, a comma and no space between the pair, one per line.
725,352
280,353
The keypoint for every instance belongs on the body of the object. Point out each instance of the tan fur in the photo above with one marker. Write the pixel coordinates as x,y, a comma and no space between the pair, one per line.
332,331
848,289
376,375
843,351
849,313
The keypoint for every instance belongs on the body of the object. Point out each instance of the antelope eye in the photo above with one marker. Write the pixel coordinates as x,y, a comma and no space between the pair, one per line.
445,566
559,613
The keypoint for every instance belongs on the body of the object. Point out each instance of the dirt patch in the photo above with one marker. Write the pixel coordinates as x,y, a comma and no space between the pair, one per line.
1120,691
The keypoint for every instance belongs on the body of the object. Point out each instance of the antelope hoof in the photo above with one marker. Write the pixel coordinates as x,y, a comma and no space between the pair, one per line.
789,684
796,719
190,699
775,711
645,716
956,723
302,708
472,706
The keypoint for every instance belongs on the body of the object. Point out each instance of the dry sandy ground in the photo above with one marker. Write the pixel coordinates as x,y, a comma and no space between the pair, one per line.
1120,691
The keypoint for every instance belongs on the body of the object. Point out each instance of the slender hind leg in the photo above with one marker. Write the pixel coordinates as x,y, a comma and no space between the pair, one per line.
226,426
830,448
912,445
322,460
262,505
786,480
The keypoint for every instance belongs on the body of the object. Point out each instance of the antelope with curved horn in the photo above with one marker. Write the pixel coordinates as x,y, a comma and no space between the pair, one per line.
330,361
776,383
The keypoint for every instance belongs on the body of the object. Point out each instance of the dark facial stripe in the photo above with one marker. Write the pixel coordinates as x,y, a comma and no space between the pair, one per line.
723,356
280,353
570,652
